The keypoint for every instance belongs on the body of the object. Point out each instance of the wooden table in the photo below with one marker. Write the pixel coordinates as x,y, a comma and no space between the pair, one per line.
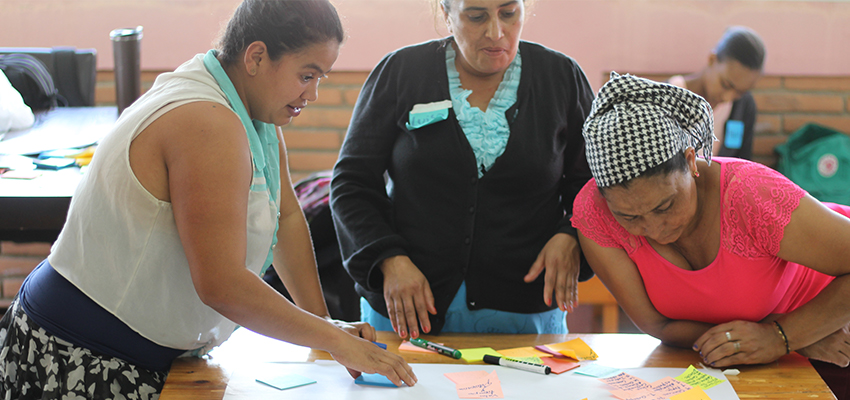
790,377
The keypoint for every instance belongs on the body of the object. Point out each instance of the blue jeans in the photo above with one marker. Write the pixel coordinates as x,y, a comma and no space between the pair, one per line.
459,318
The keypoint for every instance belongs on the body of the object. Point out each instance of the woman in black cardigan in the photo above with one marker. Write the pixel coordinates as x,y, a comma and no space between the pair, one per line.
479,138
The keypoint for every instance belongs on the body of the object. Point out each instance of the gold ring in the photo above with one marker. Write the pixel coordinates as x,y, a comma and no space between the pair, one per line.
728,336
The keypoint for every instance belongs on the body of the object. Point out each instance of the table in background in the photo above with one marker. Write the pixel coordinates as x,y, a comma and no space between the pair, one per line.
790,377
35,210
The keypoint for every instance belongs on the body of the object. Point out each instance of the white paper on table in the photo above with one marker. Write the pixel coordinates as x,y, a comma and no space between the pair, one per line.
333,382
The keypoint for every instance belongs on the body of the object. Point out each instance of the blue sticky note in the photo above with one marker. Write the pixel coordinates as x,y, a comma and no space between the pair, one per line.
283,382
381,345
596,370
427,114
374,380
734,136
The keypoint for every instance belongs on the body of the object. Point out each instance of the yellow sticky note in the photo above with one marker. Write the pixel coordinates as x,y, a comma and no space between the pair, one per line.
576,349
694,394
522,352
477,354
694,377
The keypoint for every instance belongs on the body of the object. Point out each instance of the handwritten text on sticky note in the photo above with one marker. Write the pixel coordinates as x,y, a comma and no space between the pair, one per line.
488,387
694,377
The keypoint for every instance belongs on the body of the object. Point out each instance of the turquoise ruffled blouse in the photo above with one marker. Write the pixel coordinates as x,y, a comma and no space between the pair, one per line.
486,131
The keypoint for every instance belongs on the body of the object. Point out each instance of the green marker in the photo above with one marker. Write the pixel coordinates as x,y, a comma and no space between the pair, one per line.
446,351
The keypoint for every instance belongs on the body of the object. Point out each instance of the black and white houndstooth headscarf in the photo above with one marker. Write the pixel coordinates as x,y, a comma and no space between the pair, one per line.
636,124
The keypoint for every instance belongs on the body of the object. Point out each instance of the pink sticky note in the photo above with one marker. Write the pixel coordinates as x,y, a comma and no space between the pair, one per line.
461,377
626,382
487,387
547,350
407,346
668,387
559,365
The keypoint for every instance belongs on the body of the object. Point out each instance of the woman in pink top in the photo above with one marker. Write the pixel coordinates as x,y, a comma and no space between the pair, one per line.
734,67
727,257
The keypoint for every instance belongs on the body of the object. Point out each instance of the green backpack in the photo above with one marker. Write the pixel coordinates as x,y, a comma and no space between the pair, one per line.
818,159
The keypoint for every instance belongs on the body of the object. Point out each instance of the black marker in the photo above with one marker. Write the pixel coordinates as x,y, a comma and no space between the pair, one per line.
518,364
446,351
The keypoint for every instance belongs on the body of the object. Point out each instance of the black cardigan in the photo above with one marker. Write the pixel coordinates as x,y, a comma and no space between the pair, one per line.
434,208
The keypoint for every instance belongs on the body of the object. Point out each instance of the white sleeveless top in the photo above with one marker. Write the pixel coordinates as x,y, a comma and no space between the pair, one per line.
120,245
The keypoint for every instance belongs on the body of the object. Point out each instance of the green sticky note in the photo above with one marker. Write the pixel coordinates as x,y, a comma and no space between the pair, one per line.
285,381
694,377
477,354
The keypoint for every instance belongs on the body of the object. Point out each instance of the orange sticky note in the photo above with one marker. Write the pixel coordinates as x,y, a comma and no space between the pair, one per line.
487,387
695,393
521,352
559,365
576,349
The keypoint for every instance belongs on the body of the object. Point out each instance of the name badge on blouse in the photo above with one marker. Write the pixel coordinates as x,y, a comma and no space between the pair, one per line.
427,114
734,135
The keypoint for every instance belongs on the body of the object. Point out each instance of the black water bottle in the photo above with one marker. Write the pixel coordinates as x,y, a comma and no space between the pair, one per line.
126,51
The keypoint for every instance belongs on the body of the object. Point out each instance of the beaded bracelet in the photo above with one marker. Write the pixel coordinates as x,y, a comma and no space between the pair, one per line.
784,338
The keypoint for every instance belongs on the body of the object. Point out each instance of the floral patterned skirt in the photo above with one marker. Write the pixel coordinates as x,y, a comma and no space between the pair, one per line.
37,365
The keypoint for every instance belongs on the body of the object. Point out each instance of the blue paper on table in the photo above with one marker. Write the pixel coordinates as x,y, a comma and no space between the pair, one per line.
374,380
597,371
285,381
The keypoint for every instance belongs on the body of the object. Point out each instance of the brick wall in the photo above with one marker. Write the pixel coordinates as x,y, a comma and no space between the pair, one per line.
313,138
785,104
16,261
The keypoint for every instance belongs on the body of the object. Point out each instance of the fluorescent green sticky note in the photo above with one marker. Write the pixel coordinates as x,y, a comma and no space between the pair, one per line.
477,354
694,377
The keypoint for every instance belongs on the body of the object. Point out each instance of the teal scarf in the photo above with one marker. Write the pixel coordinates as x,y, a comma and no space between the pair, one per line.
262,139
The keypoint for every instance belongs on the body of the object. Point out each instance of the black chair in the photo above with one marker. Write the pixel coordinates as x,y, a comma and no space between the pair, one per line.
74,71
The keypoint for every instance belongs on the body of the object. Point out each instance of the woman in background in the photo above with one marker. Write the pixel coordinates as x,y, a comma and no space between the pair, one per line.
734,67
186,201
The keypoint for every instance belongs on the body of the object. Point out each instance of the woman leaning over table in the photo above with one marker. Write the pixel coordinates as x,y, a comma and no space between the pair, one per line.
722,255
181,209
474,209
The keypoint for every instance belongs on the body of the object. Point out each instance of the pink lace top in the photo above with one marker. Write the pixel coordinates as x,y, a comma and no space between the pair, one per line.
746,281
